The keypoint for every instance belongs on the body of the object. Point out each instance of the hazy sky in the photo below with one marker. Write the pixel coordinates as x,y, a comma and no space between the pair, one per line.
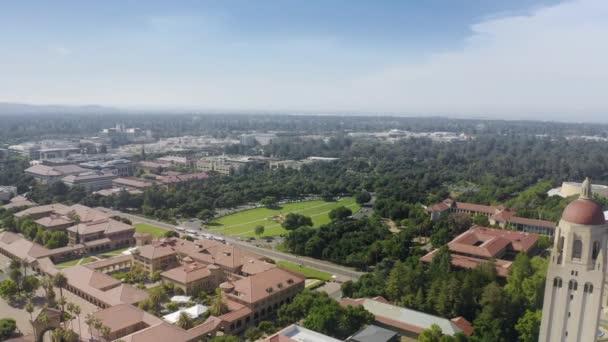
493,58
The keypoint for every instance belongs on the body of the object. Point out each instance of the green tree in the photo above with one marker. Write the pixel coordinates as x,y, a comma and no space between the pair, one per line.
8,289
340,213
432,334
293,221
269,201
259,230
253,334
184,321
363,197
225,338
7,328
218,306
60,281
528,326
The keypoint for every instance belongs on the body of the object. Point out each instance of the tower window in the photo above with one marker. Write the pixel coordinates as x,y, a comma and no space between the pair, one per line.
572,285
596,249
577,249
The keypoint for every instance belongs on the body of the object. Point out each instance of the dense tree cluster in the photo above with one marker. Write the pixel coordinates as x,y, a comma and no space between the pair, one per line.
358,243
321,313
499,313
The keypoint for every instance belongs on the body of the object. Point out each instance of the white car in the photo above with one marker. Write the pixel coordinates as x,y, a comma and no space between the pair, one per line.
192,232
180,229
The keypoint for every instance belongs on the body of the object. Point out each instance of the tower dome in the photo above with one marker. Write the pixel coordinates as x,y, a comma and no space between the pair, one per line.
584,210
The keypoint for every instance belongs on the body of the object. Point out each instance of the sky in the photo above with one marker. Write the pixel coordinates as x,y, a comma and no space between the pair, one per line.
511,59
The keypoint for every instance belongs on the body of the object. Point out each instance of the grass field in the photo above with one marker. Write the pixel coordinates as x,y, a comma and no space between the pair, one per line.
148,228
305,271
243,223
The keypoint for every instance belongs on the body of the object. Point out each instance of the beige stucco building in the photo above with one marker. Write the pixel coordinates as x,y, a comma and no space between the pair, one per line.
575,279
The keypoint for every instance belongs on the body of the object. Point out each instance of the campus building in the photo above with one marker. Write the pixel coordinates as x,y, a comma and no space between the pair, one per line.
48,174
265,292
480,244
194,277
407,322
90,181
497,215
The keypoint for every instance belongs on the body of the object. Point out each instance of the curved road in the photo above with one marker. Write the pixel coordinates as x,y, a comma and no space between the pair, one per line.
343,273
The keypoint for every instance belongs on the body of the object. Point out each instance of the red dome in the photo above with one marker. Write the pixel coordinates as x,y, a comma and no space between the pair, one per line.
584,211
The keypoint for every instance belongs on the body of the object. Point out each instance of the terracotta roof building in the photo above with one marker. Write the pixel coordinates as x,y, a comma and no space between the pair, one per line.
265,292
194,277
15,246
125,319
479,244
497,215
101,289
407,322
132,183
49,174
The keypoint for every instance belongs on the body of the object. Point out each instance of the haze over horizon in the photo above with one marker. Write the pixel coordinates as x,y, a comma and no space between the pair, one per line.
520,59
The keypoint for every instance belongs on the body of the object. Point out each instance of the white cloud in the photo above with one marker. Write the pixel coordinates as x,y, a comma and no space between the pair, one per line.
550,64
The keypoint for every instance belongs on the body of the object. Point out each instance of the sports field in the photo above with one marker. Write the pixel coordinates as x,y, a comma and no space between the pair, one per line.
148,228
242,224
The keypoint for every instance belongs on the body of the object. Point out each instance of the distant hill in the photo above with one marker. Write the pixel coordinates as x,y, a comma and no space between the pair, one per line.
8,108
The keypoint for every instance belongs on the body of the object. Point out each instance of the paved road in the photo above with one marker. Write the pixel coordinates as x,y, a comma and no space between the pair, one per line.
342,272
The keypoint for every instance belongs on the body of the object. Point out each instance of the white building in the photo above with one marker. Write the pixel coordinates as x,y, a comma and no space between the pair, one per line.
575,279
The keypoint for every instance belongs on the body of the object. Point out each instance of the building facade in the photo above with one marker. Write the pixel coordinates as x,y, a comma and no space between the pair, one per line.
575,278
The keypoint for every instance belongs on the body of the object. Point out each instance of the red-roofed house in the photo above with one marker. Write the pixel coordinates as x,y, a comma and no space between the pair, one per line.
480,244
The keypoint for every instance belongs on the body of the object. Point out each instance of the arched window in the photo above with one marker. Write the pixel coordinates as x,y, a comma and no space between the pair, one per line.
596,249
577,249
557,282
572,285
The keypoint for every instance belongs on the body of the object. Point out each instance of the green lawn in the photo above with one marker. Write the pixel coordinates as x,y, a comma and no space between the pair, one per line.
113,253
305,271
148,228
243,223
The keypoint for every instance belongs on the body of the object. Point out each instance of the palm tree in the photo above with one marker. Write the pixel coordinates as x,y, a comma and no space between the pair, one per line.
184,321
90,320
218,307
105,332
43,318
70,307
60,281
62,302
29,307
77,312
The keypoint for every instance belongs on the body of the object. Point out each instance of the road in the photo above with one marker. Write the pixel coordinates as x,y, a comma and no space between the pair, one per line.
343,273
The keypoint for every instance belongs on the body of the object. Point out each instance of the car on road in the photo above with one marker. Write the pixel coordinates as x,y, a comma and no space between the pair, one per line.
180,229
192,232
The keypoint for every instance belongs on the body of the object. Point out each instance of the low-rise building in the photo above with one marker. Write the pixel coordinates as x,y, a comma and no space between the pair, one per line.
265,292
374,333
48,174
132,183
296,333
480,244
90,181
18,202
177,161
181,178
115,233
124,319
497,215
57,152
194,277
285,164
407,322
